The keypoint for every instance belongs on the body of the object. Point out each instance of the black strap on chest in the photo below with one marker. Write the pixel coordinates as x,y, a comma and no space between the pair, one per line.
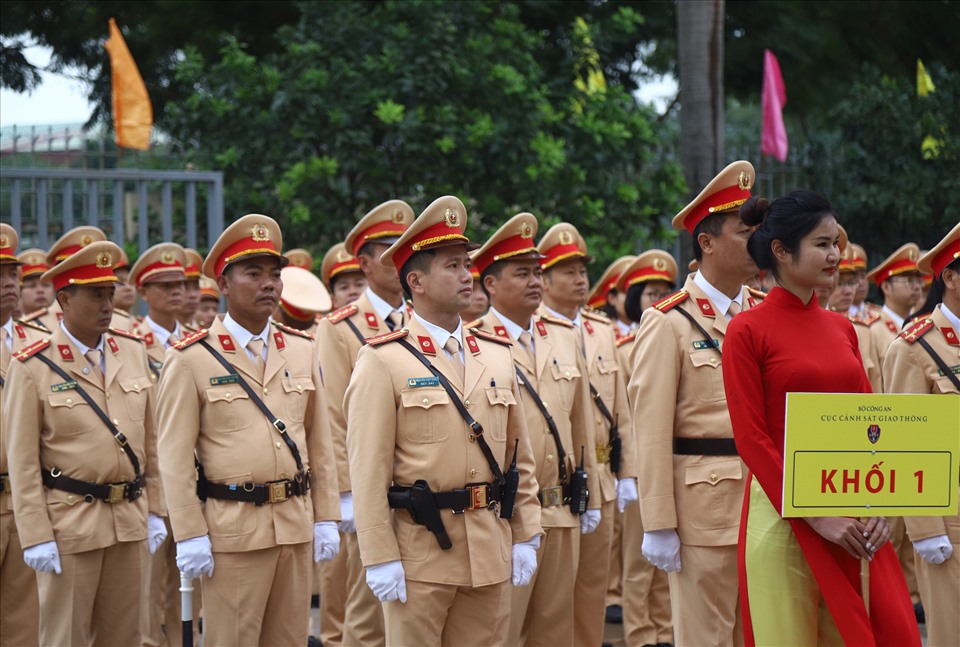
696,324
616,443
356,331
942,365
475,426
117,434
551,423
277,423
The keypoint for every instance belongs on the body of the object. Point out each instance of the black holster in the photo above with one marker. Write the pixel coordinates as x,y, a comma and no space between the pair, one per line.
510,486
616,449
419,501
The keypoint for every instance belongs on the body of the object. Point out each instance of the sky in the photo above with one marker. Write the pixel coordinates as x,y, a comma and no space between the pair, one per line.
62,100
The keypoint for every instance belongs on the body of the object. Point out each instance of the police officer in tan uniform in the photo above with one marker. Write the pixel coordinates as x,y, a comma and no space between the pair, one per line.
124,296
605,297
82,488
565,292
340,272
304,298
191,290
34,293
380,309
899,281
691,479
19,611
925,358
209,302
431,490
842,301
548,356
241,406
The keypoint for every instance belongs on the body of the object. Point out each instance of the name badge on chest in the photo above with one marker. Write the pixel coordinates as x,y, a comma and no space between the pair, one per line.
63,386
417,382
224,379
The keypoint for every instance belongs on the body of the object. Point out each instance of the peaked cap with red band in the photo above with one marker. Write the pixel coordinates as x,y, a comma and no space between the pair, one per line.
652,265
33,262
304,295
9,241
440,225
562,242
608,281
859,257
91,265
247,237
72,242
723,194
513,240
944,253
300,257
191,269
382,224
337,261
900,262
209,289
163,262
847,260
123,261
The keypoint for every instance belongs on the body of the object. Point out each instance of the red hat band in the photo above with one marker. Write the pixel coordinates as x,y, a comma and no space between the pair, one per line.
249,246
559,253
723,200
894,269
507,248
600,299
67,252
385,229
429,237
159,267
648,273
846,265
351,265
949,254
191,272
93,273
26,271
296,313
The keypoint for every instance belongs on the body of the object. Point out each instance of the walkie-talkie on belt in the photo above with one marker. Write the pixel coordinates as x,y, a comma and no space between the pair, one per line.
579,494
510,486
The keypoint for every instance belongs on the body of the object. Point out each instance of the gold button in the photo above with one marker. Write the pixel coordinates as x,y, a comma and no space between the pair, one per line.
153,378
472,438
70,499
473,473
549,457
713,360
136,386
266,391
599,421
284,475
546,405
69,400
278,445
466,403
713,477
227,395
566,374
300,388
426,400
116,422
107,394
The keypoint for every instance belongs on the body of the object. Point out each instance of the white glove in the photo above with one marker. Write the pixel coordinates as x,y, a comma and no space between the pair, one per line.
626,493
326,541
348,523
662,549
195,557
589,521
525,561
156,532
386,581
43,558
935,550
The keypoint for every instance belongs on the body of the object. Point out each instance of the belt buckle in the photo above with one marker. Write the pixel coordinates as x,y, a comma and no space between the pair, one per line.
5,480
278,491
603,454
551,497
478,496
118,492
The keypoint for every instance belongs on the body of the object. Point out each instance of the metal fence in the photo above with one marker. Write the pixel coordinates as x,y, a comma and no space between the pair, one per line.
128,204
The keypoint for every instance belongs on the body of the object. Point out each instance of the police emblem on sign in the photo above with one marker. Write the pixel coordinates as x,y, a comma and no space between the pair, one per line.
873,433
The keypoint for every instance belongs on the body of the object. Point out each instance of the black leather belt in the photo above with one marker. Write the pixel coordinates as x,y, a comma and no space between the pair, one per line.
109,492
4,482
705,447
473,496
256,493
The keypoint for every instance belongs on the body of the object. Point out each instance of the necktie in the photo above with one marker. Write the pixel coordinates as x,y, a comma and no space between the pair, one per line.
394,320
453,347
526,342
4,350
256,347
93,356
734,309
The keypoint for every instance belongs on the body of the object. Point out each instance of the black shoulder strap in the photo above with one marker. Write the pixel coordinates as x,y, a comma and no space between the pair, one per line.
474,425
277,423
551,423
696,324
353,327
117,434
601,406
940,363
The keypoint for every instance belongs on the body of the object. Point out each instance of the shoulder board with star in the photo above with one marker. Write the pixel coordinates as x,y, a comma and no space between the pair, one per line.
36,313
870,318
917,330
390,336
187,341
33,324
667,303
293,331
558,322
31,350
626,339
129,334
858,320
476,323
489,336
343,313
596,315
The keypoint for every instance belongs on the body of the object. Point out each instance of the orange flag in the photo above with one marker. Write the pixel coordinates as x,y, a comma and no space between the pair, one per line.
132,111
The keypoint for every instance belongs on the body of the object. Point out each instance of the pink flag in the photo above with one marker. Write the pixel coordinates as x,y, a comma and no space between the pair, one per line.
773,139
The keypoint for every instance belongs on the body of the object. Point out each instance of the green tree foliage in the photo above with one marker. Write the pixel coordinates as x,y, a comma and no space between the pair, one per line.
370,101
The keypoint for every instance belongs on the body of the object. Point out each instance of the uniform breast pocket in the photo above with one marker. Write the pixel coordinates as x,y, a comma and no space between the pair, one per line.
944,385
298,390
717,487
564,375
423,419
707,375
500,399
135,397
606,381
69,407
226,408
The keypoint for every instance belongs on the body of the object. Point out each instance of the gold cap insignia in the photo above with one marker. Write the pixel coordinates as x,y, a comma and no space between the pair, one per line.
565,238
104,260
659,264
259,233
4,241
86,240
744,181
912,255
397,216
166,258
526,230
451,218
342,255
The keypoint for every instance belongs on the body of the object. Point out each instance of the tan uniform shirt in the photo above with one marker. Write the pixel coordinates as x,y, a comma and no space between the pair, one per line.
883,331
56,428
47,317
676,390
558,378
403,427
200,411
872,360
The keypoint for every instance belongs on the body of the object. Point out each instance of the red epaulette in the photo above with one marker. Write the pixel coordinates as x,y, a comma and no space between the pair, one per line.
32,324
917,330
390,336
870,318
668,302
31,350
293,331
489,336
559,322
626,339
596,315
33,315
186,341
342,313
129,334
